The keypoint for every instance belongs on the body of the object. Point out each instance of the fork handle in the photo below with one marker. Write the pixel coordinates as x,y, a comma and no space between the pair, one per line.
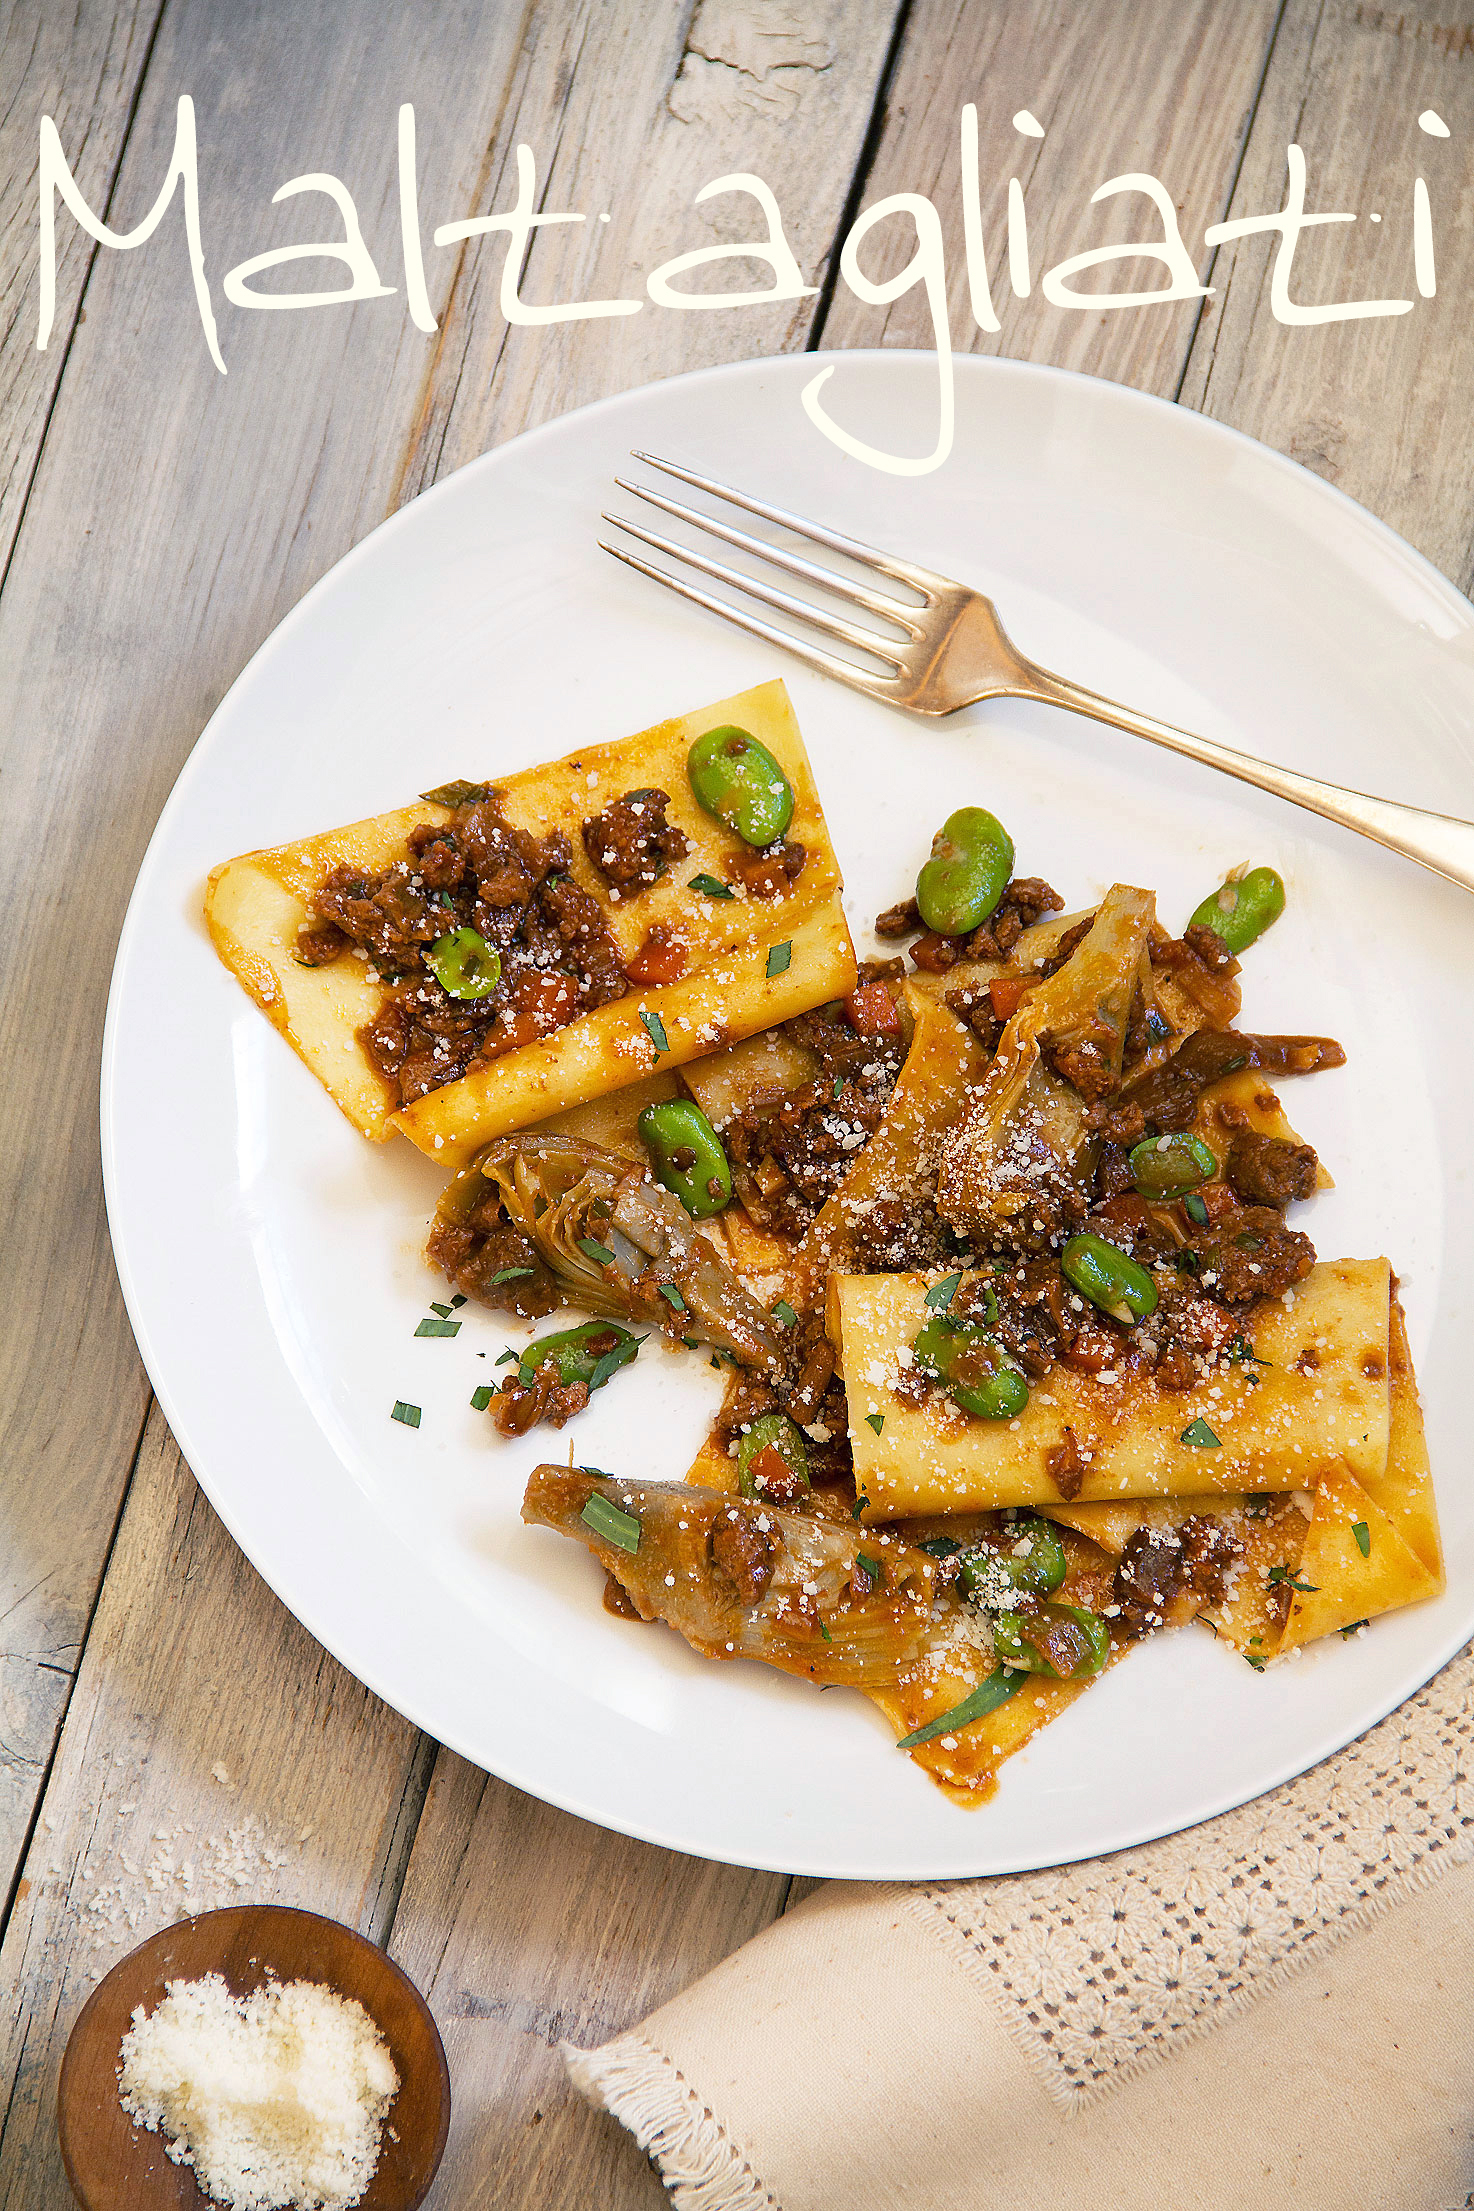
1441,842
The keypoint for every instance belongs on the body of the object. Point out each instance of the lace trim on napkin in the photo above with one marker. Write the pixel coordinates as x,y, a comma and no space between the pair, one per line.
1098,1967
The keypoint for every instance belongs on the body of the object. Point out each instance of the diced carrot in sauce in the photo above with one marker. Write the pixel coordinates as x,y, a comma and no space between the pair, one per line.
1007,992
660,959
872,1011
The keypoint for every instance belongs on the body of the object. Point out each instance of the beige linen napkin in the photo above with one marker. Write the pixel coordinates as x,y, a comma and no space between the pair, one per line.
1043,2040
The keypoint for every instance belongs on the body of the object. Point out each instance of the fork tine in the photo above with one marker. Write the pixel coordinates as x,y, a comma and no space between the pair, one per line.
876,687
793,564
924,580
782,602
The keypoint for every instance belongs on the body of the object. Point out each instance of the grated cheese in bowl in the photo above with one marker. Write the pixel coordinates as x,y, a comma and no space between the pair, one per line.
275,2099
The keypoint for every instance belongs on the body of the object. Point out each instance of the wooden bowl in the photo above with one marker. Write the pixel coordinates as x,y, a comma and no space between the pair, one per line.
115,2165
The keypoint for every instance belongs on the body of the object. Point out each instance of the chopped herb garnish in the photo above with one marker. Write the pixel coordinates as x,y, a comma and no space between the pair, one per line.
779,956
1194,1208
457,1301
409,1414
672,1296
612,1522
861,1501
1351,1630
1363,1536
1198,1433
875,1421
994,1690
941,1294
613,1360
457,794
716,1362
655,1030
825,1632
442,1310
1241,1353
438,1328
1256,1662
784,1314
871,1565
509,1357
482,1397
1283,1573
593,1249
838,1090
710,887
939,1546
511,1274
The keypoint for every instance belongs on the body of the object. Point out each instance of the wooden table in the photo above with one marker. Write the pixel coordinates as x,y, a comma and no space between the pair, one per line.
158,1708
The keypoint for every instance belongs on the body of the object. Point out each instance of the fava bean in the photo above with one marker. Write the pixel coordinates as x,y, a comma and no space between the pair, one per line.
971,862
687,1155
1239,911
1103,1273
971,1367
1039,1569
739,782
1170,1166
773,1459
464,964
1066,1641
588,1354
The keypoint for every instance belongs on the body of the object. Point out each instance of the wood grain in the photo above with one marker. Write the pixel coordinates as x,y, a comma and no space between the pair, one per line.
1165,86
526,1928
212,1754
83,68
1374,405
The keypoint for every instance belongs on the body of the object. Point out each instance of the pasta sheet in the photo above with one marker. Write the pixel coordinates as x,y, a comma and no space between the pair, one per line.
255,905
1321,1396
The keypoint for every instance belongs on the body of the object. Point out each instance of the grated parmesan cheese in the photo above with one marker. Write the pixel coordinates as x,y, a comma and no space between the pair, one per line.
275,2099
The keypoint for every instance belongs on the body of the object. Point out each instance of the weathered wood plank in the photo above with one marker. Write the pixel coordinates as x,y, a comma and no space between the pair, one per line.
630,112
176,515
526,1928
82,67
1162,86
213,1753
1373,405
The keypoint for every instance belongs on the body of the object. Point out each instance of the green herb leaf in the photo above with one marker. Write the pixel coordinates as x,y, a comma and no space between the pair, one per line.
457,794
716,1362
509,1357
710,887
482,1397
1198,1432
994,1690
1194,1208
442,1310
861,1501
409,1414
825,1633
610,1521
941,1294
784,1314
457,1302
596,1251
939,1546
438,1328
871,1565
672,1296
779,956
838,1090
613,1360
1283,1573
875,1421
1242,1353
512,1274
1363,1536
1351,1630
1256,1663
655,1030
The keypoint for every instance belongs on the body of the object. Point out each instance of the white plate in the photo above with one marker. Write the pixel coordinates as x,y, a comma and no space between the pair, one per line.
270,1257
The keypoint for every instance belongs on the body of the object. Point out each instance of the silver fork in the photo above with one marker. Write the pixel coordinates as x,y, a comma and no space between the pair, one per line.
954,651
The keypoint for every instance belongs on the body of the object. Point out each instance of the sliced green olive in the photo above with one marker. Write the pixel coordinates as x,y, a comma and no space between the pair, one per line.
464,964
971,862
973,1369
1031,1572
738,781
1170,1166
1241,910
756,1474
588,1354
1065,1641
1103,1273
687,1155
